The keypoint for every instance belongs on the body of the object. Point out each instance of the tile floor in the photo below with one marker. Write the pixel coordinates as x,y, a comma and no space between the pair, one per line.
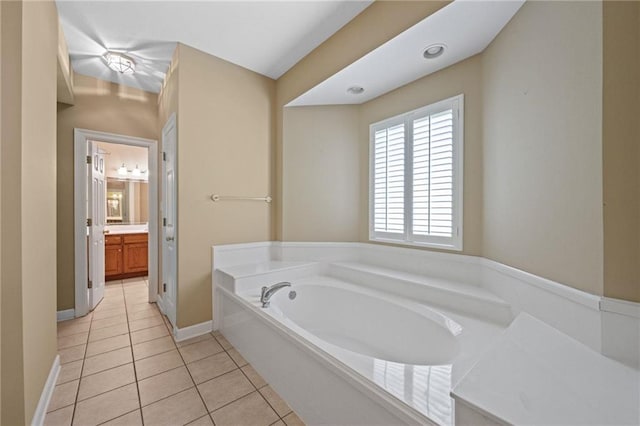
120,366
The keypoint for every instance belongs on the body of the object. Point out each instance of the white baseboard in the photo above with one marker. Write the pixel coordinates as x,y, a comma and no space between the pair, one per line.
195,330
47,392
66,315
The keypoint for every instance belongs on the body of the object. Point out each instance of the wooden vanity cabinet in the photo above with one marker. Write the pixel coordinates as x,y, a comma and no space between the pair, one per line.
126,256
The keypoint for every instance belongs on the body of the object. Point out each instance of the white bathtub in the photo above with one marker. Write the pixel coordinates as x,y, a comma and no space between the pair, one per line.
397,360
354,319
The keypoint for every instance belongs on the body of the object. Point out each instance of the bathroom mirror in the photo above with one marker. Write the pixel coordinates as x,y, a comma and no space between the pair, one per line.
127,201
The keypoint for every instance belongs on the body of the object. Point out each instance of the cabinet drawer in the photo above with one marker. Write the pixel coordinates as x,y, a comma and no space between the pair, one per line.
112,239
135,238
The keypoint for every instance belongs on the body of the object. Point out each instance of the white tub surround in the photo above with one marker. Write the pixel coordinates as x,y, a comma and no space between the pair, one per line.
359,332
537,375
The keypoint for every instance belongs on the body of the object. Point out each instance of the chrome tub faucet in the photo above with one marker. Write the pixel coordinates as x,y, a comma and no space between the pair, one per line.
267,292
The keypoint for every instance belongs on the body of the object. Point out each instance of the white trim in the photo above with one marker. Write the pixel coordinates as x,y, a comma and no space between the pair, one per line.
588,300
67,314
81,137
621,307
47,392
195,330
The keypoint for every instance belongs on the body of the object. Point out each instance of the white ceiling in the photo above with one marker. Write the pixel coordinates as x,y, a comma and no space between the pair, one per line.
268,37
466,27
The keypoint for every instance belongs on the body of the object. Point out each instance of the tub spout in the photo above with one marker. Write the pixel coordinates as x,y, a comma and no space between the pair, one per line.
267,292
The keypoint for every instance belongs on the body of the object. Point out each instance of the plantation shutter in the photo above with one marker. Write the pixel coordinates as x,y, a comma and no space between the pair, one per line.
388,175
433,174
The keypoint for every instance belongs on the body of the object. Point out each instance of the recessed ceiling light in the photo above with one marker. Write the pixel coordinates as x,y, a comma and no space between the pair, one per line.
433,51
355,90
120,62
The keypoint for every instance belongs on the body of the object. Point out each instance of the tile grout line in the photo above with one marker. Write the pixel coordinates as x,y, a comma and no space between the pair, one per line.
247,377
133,358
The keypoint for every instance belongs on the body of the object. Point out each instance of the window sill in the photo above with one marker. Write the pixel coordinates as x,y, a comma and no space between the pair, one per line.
404,243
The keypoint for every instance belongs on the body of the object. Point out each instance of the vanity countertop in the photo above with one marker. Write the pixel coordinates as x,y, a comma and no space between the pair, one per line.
126,229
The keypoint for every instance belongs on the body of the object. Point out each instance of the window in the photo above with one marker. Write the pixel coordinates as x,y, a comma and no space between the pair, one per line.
415,177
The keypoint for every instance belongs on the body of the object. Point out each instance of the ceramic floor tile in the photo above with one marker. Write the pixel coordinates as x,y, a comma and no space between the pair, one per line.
235,355
145,323
110,313
72,354
163,385
146,313
61,417
292,419
211,367
223,341
225,389
63,395
149,333
108,344
106,406
202,421
107,360
103,333
253,376
158,364
276,402
194,340
133,418
178,409
153,347
105,381
279,423
70,371
108,322
200,350
138,307
67,328
251,410
72,340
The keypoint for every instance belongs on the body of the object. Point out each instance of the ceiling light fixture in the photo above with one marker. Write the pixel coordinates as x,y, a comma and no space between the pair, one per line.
355,90
433,51
120,62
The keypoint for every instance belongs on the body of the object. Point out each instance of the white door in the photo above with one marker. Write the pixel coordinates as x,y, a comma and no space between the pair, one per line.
169,220
97,205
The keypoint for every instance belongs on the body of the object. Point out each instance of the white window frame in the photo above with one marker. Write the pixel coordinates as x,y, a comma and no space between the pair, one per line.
455,242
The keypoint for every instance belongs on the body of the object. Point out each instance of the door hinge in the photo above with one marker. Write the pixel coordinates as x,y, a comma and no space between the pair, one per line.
89,222
88,159
164,156
90,284
164,287
164,221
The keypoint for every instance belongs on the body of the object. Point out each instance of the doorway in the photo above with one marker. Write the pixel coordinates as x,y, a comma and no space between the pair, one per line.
92,214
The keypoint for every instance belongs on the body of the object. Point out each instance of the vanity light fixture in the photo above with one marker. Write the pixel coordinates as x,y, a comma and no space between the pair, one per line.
433,51
120,62
136,172
122,171
355,90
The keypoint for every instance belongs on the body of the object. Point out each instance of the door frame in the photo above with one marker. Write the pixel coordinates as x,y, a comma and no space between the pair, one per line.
80,139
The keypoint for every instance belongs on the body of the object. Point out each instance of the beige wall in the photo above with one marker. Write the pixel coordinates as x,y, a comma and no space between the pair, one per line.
29,44
543,143
225,134
102,106
621,149
321,175
360,36
464,77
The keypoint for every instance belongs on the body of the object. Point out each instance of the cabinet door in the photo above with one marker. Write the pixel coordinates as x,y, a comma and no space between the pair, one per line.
112,260
135,257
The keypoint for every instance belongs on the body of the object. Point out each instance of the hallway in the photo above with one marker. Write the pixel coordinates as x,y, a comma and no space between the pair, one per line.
120,366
